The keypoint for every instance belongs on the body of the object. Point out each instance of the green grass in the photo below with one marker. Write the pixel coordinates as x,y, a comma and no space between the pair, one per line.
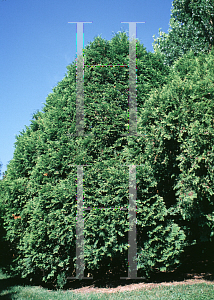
10,290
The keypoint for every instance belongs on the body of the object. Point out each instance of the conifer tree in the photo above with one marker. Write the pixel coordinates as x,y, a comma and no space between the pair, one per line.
40,183
177,121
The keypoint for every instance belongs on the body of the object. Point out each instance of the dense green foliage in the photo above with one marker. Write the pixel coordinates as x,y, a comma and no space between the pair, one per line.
191,27
175,122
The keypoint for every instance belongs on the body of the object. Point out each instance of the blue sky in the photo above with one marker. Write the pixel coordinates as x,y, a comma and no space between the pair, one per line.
37,43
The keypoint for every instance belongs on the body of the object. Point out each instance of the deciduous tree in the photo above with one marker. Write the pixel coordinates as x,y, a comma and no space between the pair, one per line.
191,27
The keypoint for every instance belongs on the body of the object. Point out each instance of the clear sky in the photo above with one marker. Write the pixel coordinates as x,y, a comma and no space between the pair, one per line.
37,43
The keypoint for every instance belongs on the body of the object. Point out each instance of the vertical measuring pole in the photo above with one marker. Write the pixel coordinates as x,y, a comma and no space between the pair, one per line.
132,253
132,80
132,236
79,82
80,265
79,78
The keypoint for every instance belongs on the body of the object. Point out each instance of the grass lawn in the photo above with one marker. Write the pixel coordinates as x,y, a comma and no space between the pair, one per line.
11,289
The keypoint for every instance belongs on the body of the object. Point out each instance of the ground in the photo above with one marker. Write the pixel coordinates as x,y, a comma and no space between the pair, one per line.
193,271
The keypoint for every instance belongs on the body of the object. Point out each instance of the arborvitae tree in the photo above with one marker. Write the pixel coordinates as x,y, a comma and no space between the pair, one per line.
40,182
191,27
177,146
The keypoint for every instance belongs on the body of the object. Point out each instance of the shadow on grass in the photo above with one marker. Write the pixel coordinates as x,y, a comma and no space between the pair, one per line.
7,283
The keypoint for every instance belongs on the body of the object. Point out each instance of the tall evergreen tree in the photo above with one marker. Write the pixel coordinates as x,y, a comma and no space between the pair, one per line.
40,183
178,151
191,27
